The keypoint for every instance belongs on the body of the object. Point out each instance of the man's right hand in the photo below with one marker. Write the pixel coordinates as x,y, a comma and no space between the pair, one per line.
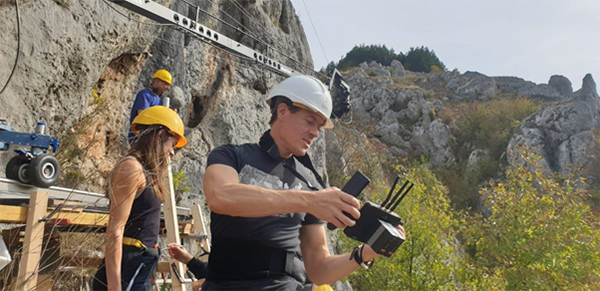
329,203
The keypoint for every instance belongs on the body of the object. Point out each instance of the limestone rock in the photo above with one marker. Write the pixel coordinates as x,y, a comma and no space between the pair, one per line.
561,84
403,119
562,134
378,70
541,91
527,88
397,69
588,91
469,86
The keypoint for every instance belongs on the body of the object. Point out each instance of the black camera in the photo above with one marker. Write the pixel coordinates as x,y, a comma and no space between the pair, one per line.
340,93
377,224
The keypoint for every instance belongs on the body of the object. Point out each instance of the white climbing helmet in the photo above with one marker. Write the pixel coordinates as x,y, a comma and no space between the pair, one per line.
307,91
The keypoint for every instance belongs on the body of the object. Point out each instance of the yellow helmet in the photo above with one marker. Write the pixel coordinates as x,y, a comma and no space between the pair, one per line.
324,288
164,116
163,75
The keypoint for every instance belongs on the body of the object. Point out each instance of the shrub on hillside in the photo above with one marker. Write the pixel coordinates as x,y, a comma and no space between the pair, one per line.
541,234
487,126
429,258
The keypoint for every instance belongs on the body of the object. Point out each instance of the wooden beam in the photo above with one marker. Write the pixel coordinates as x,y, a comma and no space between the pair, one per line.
18,214
199,226
163,267
44,283
80,262
32,246
171,222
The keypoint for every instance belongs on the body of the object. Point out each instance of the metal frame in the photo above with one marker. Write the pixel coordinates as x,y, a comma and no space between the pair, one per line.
28,139
164,15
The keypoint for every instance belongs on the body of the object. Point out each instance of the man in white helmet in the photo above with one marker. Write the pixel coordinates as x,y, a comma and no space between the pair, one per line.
268,204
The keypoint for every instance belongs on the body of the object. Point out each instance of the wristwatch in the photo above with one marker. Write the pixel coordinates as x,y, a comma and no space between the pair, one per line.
357,254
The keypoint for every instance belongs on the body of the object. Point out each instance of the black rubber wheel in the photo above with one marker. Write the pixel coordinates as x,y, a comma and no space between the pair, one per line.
23,173
12,168
44,171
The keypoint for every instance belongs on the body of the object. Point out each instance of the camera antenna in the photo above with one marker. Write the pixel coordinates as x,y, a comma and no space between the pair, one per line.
391,191
402,197
396,196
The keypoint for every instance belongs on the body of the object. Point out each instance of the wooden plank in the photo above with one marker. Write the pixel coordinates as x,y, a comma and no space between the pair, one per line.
32,246
10,189
171,222
44,283
199,226
18,214
65,203
163,267
80,262
186,228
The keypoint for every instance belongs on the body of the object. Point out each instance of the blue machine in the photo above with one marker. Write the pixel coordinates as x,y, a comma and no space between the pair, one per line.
35,166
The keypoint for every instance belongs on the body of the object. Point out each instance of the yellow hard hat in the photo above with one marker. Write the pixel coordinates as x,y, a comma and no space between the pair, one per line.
324,288
163,75
161,115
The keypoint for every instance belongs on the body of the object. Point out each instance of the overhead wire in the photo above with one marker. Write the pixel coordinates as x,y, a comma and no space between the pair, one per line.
278,48
222,21
313,26
241,8
247,32
12,71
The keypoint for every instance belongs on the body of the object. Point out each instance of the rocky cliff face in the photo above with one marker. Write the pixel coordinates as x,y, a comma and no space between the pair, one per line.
402,116
564,134
402,109
82,62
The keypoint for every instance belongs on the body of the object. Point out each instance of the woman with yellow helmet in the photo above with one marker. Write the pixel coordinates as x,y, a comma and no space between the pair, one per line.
136,188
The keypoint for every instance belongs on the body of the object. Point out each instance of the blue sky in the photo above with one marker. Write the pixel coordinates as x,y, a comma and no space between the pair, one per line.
531,39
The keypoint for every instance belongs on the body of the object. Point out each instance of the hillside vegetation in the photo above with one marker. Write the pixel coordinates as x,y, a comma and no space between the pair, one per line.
478,218
541,234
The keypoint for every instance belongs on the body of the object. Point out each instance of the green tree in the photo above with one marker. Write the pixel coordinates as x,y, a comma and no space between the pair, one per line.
428,259
541,234
367,53
422,59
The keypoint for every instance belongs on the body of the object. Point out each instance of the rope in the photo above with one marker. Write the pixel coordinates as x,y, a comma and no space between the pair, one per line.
18,48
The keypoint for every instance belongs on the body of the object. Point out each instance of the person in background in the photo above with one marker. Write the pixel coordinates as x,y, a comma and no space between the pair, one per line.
161,83
136,189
